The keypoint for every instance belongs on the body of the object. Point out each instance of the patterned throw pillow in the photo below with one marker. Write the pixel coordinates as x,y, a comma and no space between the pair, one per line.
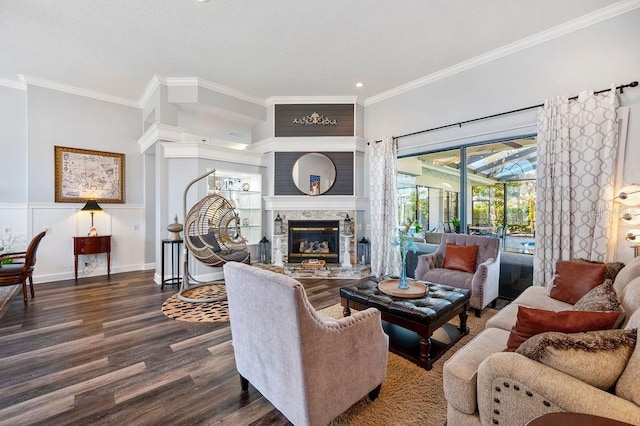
600,298
595,357
611,269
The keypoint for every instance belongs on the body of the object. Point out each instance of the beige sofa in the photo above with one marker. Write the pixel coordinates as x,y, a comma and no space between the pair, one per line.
485,386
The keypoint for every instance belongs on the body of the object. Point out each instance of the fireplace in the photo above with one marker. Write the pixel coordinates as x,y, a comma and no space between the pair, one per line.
314,239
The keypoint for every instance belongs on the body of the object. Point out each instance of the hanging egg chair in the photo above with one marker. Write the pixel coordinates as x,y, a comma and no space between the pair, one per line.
213,237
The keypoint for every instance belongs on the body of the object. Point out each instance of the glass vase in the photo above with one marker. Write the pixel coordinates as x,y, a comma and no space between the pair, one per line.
403,284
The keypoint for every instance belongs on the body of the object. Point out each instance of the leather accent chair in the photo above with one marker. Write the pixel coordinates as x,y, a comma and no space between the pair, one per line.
483,282
21,267
309,366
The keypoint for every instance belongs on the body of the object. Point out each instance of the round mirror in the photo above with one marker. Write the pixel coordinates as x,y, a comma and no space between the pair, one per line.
314,173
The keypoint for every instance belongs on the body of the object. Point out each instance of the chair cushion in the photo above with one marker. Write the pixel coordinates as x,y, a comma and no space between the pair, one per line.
574,279
460,258
595,357
532,321
11,269
449,277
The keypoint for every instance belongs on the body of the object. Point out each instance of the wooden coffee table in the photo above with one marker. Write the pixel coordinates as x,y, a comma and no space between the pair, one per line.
418,329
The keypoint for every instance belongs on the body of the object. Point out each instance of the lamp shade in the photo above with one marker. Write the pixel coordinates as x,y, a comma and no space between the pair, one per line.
630,216
633,235
92,206
629,195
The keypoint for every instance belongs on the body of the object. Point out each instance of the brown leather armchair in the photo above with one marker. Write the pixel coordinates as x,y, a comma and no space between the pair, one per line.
18,272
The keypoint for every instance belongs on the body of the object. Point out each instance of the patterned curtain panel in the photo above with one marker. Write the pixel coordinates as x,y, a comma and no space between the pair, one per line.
385,258
576,165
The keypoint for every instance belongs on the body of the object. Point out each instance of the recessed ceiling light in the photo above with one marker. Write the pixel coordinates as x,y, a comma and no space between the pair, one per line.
202,1
359,84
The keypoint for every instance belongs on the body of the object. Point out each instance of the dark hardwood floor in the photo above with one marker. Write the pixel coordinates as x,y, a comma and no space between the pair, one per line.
101,352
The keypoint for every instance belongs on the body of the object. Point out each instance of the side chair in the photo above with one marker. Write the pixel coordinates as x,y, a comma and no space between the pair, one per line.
17,272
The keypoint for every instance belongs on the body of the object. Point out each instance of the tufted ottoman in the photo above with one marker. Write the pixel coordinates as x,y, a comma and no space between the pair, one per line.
417,328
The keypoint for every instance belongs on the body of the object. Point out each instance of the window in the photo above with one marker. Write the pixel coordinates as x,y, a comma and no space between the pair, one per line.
498,186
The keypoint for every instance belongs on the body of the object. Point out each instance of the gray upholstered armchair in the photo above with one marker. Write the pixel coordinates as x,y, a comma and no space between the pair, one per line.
309,366
483,282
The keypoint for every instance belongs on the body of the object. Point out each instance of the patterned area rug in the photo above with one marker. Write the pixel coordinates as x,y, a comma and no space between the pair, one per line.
177,309
410,395
5,294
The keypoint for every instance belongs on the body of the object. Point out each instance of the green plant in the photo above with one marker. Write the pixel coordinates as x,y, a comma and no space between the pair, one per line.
455,221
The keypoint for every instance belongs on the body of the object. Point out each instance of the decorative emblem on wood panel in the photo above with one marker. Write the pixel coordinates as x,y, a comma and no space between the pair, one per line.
315,118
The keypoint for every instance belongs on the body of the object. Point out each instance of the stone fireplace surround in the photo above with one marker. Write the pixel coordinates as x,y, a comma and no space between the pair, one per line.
287,215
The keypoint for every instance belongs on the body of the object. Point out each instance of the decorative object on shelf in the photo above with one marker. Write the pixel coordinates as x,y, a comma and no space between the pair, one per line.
346,226
245,221
73,184
315,118
264,247
246,186
629,195
364,251
277,225
405,244
174,229
92,206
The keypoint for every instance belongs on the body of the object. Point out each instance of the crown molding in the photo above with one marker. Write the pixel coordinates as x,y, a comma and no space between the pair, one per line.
12,84
305,144
153,84
79,92
159,132
210,152
568,27
198,82
311,100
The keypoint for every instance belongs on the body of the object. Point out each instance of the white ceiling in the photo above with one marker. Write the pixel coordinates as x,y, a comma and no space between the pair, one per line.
263,48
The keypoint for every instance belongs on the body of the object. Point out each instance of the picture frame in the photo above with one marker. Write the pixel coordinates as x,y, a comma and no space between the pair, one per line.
83,174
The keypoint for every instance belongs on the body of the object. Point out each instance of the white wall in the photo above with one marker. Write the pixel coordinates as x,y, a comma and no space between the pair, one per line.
51,118
591,58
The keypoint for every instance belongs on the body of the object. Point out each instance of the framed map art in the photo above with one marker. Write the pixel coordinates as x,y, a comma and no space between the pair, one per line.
82,174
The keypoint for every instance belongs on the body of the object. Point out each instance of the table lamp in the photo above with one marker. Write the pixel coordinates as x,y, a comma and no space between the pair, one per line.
92,207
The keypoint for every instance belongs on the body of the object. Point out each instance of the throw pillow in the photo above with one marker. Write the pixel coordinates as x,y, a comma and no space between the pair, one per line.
596,357
574,279
611,269
460,258
600,298
531,321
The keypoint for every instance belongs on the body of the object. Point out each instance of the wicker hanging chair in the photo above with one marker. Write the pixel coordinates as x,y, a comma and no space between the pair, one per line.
212,235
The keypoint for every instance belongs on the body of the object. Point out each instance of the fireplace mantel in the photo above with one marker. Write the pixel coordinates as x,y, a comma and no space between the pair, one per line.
320,202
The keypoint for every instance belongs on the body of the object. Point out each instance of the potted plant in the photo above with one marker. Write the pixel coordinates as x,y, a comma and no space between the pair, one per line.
455,222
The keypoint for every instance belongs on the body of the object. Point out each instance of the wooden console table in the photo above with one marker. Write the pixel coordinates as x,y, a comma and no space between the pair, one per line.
92,245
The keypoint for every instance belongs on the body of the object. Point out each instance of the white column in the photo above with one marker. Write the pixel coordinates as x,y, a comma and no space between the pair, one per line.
277,258
346,255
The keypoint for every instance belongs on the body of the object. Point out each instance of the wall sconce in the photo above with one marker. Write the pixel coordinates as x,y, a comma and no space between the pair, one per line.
629,195
633,235
92,206
631,216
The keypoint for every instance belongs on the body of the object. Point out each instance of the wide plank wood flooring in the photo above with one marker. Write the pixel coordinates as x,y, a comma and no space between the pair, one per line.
101,352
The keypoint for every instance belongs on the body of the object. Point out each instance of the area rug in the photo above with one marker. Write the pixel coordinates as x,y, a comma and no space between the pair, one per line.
410,395
5,294
179,310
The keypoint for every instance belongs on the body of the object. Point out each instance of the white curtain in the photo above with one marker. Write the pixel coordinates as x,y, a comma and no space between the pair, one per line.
576,168
385,258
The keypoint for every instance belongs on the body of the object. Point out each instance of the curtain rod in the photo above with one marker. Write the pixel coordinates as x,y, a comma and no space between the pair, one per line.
460,123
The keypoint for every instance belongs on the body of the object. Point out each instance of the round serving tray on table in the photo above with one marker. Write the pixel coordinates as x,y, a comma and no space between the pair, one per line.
414,291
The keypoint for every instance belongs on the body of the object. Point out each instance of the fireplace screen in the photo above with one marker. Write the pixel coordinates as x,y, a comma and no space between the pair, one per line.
314,239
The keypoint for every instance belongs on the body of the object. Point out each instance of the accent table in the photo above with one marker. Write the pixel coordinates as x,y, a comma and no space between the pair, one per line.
92,245
175,263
